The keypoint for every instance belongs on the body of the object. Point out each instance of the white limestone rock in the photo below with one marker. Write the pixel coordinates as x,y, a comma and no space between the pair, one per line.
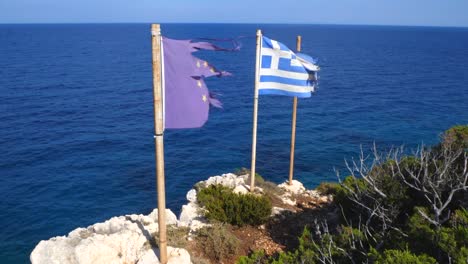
295,188
313,193
197,224
229,180
320,198
192,196
239,184
189,212
245,177
325,198
276,210
258,190
178,256
192,218
123,239
55,251
241,189
171,218
288,200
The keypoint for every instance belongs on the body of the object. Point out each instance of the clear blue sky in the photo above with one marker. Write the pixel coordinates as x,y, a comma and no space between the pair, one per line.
374,12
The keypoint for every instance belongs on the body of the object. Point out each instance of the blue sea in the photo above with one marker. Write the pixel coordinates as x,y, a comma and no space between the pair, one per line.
76,115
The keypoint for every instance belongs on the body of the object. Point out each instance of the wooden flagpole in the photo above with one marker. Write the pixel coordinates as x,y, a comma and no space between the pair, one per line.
293,130
255,110
159,138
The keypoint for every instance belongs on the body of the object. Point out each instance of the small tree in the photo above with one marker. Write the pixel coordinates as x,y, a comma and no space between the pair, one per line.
376,194
436,175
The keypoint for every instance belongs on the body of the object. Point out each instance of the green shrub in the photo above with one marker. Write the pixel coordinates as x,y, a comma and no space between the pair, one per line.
217,242
449,241
355,196
259,257
222,204
456,137
343,193
328,188
346,239
286,258
392,186
393,256
454,238
256,257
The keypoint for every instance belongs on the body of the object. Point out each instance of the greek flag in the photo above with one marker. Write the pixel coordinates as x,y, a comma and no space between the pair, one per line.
282,72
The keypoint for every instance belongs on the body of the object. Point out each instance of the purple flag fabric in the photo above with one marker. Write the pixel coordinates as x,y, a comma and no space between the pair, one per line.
186,98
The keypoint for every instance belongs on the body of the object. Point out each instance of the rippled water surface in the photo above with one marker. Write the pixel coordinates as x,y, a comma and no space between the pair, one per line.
76,129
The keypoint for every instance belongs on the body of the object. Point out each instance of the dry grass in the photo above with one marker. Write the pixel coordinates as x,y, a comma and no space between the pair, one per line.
218,243
176,236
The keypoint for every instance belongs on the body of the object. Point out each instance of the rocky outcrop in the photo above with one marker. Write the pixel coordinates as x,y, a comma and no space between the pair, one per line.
123,239
130,238
229,180
191,215
295,187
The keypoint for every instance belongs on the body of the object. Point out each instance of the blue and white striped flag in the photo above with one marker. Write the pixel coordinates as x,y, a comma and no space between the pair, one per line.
282,72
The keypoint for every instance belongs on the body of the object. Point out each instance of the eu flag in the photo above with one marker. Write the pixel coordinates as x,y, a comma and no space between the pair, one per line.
186,97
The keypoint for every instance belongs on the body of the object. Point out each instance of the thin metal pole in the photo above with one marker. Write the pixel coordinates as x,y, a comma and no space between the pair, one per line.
293,130
159,139
255,110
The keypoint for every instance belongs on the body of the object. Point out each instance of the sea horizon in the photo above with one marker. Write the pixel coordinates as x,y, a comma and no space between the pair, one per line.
235,23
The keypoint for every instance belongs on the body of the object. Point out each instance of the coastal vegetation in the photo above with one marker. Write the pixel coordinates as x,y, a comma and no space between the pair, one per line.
225,210
392,208
217,242
223,205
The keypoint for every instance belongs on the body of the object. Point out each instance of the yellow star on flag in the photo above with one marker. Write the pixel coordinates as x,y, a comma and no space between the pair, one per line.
204,98
205,64
198,64
199,83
